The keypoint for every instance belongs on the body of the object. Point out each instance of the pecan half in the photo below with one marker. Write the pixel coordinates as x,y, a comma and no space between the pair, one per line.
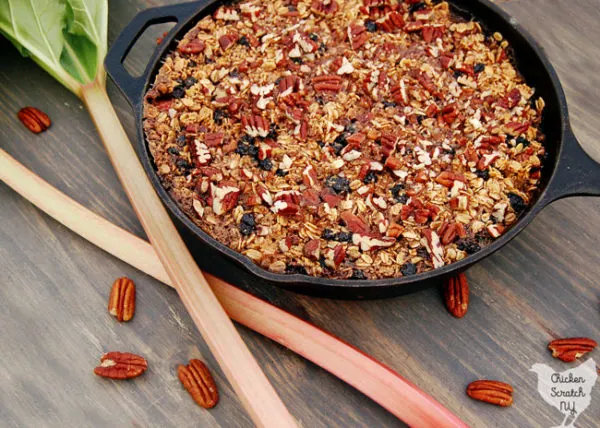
121,302
568,350
198,381
121,365
34,119
456,295
491,391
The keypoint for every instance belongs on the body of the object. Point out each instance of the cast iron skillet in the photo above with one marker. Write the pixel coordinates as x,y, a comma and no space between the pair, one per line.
568,170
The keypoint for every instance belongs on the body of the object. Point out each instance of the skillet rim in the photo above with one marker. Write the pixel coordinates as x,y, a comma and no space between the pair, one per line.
341,286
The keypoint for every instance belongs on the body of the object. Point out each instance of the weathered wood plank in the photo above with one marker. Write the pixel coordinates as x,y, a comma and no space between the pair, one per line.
55,285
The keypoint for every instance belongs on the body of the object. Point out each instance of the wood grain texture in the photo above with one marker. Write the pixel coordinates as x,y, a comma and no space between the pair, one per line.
55,285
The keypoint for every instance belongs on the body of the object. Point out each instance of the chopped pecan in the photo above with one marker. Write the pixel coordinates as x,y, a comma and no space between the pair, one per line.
194,46
371,242
226,40
286,203
213,139
431,33
357,35
447,178
309,176
312,249
434,247
200,153
390,22
327,83
324,7
568,350
255,126
354,223
224,198
491,391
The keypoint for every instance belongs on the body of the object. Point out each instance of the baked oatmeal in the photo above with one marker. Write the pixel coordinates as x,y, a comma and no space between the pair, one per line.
345,139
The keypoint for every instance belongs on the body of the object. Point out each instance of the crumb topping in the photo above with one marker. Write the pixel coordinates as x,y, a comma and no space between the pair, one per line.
346,139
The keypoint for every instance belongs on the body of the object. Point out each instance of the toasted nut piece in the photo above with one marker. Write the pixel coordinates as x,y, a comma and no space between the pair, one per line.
456,295
491,391
198,381
568,350
34,119
121,302
121,365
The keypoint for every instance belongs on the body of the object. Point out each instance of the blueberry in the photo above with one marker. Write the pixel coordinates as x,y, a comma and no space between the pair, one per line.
328,235
173,150
298,61
247,224
343,237
320,100
272,132
218,116
509,140
189,82
266,164
178,92
338,184
398,195
281,172
313,37
243,41
253,151
339,143
422,252
242,149
408,269
358,274
351,127
469,245
247,139
524,141
322,263
371,177
321,143
322,47
181,140
370,25
415,7
387,104
457,74
485,174
421,118
516,202
295,269
183,164
479,67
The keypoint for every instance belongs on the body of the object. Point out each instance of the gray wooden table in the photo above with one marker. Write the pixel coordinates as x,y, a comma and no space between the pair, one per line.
54,285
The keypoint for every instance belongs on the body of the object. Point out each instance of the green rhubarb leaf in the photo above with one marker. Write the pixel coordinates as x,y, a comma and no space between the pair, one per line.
65,37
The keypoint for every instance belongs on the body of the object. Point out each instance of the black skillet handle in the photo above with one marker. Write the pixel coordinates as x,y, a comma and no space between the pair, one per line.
132,87
577,174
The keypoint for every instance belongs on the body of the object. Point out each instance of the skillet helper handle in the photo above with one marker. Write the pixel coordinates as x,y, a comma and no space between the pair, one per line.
132,87
577,174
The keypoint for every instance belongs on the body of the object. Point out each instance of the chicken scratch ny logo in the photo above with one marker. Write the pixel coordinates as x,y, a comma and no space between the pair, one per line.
569,391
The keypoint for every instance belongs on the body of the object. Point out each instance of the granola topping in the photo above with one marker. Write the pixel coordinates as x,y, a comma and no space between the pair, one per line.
357,139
